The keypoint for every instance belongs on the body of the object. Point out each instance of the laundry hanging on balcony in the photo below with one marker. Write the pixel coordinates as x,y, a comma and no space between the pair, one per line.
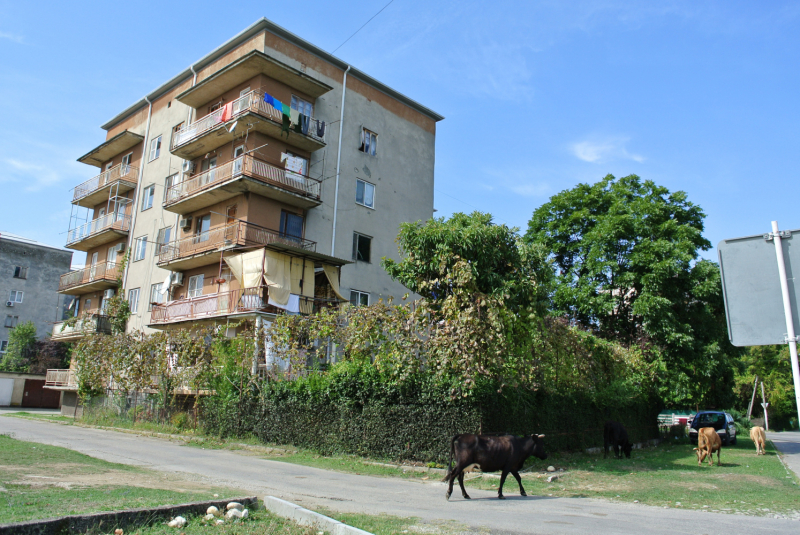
333,278
320,129
292,305
227,112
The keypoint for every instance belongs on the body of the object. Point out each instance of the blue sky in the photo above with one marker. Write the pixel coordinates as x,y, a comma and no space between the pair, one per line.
538,96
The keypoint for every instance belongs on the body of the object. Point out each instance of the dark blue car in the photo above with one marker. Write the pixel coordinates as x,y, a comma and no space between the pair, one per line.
722,422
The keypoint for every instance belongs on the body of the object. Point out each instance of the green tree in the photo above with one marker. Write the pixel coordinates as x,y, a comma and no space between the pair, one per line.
626,255
772,365
21,348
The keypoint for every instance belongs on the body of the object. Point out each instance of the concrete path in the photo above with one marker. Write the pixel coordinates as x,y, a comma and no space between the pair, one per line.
9,410
313,487
788,443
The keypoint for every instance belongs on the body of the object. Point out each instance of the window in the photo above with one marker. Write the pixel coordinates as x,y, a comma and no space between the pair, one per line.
3,346
20,272
168,183
175,130
163,238
140,248
195,286
88,306
296,164
155,148
11,321
111,255
133,299
302,106
359,298
365,193
126,164
369,142
15,296
291,225
202,228
156,297
147,197
361,247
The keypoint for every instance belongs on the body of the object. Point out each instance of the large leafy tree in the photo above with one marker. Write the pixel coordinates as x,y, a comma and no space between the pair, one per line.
626,256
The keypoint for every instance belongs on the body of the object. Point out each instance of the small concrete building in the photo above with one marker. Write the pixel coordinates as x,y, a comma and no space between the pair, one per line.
29,275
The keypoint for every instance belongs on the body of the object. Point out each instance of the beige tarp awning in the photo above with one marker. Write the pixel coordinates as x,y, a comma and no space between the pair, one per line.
247,268
281,272
302,270
333,277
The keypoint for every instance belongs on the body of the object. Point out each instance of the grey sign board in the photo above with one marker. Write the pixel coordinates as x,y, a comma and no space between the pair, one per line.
752,288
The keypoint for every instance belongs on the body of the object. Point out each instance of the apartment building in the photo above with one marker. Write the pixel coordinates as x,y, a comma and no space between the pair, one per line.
29,275
269,177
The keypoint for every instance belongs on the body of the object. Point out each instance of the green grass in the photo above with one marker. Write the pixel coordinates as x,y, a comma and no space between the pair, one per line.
39,481
258,523
40,416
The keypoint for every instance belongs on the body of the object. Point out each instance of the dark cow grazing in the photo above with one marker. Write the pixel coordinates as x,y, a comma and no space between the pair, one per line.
491,453
614,434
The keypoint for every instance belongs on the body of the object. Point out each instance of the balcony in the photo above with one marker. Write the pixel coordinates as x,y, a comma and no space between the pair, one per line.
95,323
102,230
218,305
243,174
117,180
211,131
97,277
201,249
61,380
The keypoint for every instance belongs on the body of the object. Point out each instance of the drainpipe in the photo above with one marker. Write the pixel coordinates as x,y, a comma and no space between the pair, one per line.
136,195
338,164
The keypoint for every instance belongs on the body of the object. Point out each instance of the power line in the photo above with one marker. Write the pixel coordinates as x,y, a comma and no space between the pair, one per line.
358,30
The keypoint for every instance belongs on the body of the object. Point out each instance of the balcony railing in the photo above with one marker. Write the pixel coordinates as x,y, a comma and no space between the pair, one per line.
226,303
239,233
116,221
252,167
105,271
124,172
61,379
96,323
251,102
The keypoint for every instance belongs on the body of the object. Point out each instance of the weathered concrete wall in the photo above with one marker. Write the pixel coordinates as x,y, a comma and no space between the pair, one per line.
19,385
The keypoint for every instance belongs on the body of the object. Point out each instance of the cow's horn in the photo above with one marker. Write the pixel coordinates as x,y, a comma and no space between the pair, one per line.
541,436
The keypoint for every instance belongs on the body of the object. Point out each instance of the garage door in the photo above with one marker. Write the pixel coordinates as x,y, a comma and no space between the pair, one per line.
6,388
36,395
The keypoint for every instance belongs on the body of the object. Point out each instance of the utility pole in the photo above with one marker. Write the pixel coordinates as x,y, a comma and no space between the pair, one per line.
765,405
752,399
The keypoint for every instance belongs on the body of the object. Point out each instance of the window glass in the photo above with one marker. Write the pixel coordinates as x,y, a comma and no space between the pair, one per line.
195,286
156,297
170,181
20,272
125,166
365,193
3,346
11,321
369,142
202,228
147,197
302,106
15,296
140,248
155,148
291,225
359,298
361,247
133,299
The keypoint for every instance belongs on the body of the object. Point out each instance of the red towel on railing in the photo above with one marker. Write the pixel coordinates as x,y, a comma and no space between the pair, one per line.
227,111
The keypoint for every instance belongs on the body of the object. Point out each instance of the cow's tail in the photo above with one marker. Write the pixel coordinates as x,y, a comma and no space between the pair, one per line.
450,460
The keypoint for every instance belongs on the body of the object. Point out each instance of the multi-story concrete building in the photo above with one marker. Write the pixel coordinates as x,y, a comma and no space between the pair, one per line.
29,275
268,176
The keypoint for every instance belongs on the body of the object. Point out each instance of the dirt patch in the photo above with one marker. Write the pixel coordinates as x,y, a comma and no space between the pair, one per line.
109,478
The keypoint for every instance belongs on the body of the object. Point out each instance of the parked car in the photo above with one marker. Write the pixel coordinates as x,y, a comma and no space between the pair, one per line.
722,422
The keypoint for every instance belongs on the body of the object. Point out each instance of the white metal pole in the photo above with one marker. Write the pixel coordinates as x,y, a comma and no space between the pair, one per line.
787,311
764,404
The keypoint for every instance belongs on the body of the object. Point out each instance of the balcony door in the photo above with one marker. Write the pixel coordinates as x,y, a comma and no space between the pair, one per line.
125,167
93,268
111,258
238,159
207,172
202,229
230,224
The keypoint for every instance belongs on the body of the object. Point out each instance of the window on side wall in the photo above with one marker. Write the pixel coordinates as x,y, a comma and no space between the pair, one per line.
140,248
20,272
358,298
365,193
156,297
11,321
362,246
148,194
133,299
15,296
155,148
3,346
195,288
369,142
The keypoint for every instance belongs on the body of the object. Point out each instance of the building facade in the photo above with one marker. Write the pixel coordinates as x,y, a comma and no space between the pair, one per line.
268,177
29,275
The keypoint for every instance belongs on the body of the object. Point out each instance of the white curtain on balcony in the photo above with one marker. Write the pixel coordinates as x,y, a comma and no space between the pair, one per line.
333,277
247,268
275,269
277,275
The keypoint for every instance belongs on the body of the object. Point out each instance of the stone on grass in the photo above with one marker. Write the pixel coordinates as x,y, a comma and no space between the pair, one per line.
118,532
213,511
551,469
551,479
236,513
209,516
177,522
220,521
235,505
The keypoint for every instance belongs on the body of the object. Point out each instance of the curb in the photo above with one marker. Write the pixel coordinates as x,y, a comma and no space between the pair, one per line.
305,517
107,522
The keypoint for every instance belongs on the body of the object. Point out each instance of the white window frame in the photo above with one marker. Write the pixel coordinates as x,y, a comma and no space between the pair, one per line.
355,247
111,255
371,185
16,296
14,320
126,163
148,196
195,280
133,299
155,295
302,105
155,149
359,294
140,247
369,142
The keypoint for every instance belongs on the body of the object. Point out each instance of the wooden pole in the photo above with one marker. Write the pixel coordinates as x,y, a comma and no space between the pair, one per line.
764,404
752,399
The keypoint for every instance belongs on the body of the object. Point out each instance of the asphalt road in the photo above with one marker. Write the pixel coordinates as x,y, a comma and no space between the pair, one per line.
788,443
312,487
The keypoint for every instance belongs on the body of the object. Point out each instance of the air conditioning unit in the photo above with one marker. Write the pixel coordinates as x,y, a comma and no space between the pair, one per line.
119,247
9,303
185,222
188,167
177,279
108,294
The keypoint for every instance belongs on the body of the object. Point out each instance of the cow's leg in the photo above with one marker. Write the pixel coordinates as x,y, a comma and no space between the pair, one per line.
453,476
605,450
502,482
617,451
461,484
519,480
718,452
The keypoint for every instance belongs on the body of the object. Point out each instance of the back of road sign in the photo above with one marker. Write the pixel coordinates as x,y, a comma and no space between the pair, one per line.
752,288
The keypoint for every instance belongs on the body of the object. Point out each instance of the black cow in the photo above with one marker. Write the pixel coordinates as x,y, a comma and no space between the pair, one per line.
614,434
491,453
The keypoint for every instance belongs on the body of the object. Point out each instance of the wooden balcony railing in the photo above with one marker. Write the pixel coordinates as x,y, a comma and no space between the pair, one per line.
251,102
106,271
116,221
124,172
249,166
61,379
239,233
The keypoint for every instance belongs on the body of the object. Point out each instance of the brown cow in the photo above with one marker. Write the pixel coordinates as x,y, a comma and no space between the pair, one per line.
758,436
707,443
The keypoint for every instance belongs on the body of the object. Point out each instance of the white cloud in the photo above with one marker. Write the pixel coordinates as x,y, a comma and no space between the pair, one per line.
11,37
520,181
599,150
37,177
